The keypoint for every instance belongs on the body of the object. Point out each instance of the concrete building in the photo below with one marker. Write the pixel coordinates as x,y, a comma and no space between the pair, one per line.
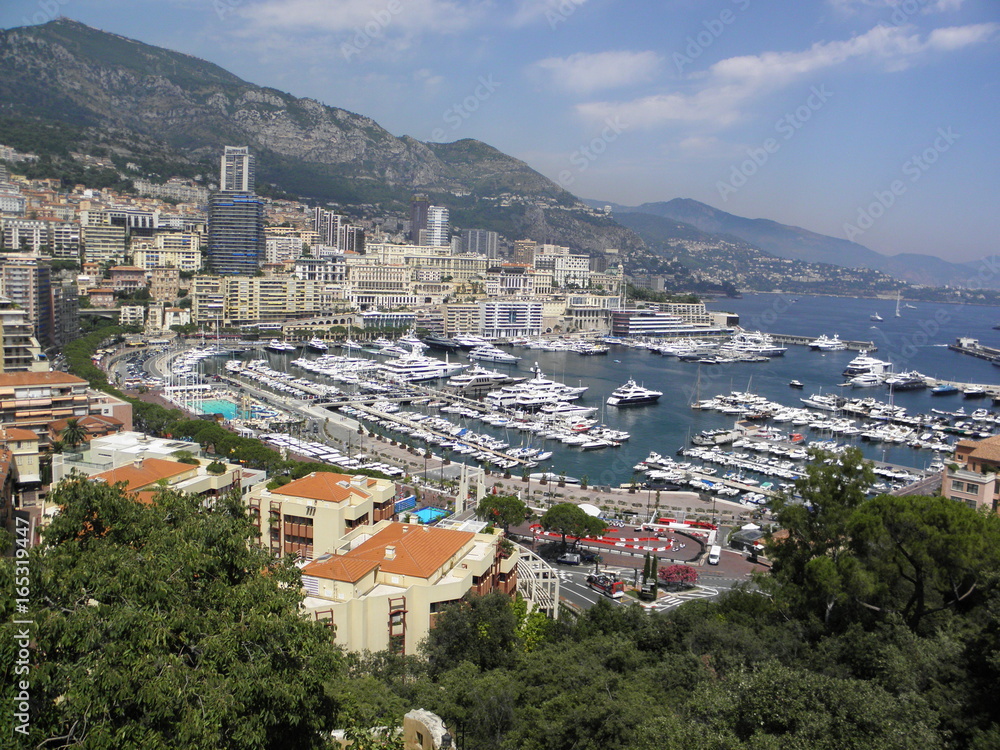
103,242
21,350
242,300
27,282
127,278
236,243
419,206
973,481
571,271
237,173
132,315
510,318
524,252
438,227
164,284
510,280
480,242
181,250
384,584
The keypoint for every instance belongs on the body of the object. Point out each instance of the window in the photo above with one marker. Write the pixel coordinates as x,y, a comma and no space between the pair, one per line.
958,486
972,489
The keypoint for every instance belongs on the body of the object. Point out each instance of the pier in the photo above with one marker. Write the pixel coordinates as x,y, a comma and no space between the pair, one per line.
854,346
973,348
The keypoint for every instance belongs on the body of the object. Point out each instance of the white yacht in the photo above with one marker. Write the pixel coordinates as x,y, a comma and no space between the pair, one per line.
490,353
632,394
468,341
317,345
827,402
280,347
867,380
755,342
864,363
566,409
414,367
533,393
828,343
476,376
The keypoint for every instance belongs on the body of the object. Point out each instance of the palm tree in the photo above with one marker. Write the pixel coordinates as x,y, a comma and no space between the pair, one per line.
73,433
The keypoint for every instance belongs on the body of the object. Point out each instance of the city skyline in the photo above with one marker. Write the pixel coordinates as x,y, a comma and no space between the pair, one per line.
868,120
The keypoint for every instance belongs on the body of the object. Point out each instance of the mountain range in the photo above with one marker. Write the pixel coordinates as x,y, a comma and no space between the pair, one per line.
157,112
161,109
682,216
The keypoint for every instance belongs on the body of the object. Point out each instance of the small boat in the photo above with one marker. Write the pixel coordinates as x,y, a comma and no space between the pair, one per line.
944,389
795,384
877,318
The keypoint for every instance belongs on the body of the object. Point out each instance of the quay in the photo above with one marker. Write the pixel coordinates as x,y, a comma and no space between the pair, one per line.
854,346
973,348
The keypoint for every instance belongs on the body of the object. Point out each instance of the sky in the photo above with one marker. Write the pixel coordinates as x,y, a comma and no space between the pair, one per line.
870,120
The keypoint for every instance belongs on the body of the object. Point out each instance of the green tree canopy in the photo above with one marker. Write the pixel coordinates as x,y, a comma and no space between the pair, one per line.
159,626
568,519
502,510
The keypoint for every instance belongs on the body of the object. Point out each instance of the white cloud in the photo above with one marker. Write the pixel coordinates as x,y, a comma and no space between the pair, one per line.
583,73
531,11
730,84
392,17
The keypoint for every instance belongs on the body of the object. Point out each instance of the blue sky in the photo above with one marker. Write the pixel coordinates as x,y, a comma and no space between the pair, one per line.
875,120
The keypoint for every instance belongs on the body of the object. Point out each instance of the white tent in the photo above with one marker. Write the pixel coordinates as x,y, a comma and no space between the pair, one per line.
750,527
590,510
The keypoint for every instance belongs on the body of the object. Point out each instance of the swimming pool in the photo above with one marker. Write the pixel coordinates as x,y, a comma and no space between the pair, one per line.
430,515
227,409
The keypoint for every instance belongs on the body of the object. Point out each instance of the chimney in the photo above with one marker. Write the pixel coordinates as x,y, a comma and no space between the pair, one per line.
137,463
390,552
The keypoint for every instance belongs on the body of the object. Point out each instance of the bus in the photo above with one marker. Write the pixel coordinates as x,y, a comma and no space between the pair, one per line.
607,585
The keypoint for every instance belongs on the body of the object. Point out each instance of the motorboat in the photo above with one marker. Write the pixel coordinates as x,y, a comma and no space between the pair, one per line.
632,394
877,318
317,345
867,380
944,389
476,376
796,384
469,341
906,381
279,347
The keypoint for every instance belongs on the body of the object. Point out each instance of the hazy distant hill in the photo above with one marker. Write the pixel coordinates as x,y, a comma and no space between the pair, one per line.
786,241
161,109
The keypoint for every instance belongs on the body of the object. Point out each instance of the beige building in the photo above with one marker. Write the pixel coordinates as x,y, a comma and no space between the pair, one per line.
103,241
181,250
973,480
238,300
165,284
310,516
384,585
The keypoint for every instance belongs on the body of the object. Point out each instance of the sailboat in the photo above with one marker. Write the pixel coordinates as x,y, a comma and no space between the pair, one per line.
898,298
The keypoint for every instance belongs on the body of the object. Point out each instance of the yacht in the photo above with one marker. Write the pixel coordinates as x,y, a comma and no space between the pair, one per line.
864,363
755,342
468,341
414,367
877,318
944,389
489,353
317,345
828,402
866,380
566,409
535,392
280,347
906,381
441,343
632,394
795,384
476,376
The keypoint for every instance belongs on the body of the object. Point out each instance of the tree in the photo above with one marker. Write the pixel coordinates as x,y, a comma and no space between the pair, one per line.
680,576
501,510
813,566
569,519
923,555
477,629
73,433
161,626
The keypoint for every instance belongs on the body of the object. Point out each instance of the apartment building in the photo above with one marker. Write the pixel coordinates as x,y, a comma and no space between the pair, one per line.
241,300
510,280
384,585
27,282
21,350
165,283
181,250
510,318
972,478
132,315
104,242
127,278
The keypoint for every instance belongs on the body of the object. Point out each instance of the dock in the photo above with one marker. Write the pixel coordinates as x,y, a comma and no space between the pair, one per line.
974,349
854,346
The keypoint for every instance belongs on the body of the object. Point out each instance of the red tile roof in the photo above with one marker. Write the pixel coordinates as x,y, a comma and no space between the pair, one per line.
151,471
322,485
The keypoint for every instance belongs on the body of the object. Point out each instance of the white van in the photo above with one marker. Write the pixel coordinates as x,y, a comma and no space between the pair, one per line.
714,552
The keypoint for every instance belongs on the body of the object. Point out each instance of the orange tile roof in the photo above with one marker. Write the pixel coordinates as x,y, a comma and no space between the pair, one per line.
340,568
151,472
420,550
8,379
987,450
322,485
16,433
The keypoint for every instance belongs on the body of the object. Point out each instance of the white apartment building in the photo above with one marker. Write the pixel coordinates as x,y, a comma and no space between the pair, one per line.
510,318
181,250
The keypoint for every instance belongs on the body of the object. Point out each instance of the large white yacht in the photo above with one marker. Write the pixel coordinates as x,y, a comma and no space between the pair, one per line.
476,376
632,394
414,367
864,363
280,347
533,393
469,341
490,353
753,342
317,345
